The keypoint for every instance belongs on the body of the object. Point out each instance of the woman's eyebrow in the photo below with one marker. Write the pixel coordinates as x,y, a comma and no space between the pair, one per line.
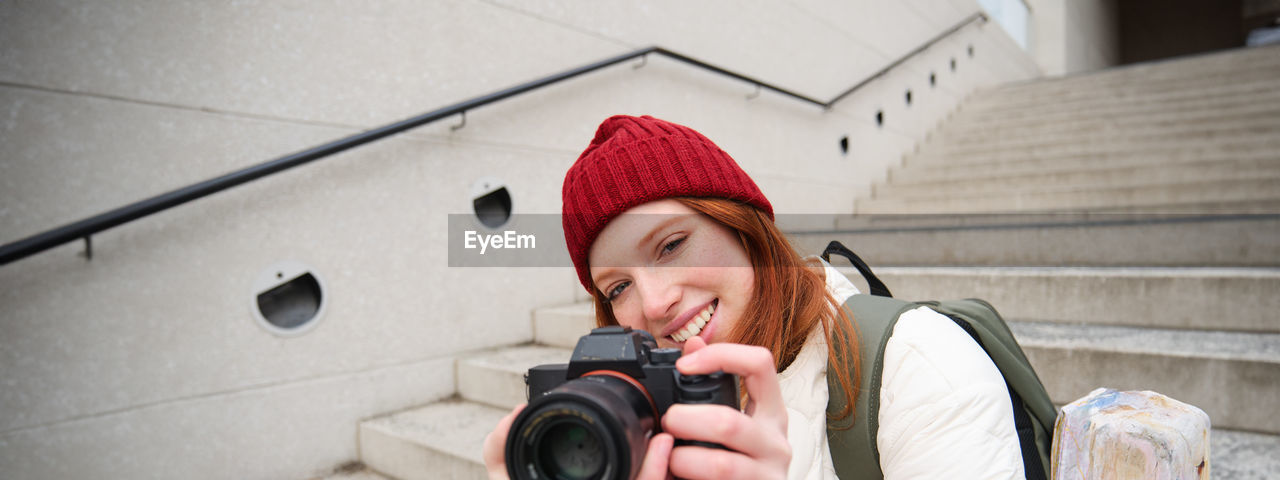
658,228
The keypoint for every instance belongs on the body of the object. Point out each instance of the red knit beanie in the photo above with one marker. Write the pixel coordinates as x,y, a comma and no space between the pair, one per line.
635,160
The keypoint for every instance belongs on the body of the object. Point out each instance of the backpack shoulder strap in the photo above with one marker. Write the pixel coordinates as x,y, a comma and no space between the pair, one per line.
853,442
873,282
1034,413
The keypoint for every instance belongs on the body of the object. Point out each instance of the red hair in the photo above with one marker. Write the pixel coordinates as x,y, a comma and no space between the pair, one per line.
790,296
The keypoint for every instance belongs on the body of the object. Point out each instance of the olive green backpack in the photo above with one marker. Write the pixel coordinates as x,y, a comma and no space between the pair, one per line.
854,451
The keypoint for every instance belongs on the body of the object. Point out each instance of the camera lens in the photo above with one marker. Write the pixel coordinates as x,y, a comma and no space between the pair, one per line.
595,427
569,450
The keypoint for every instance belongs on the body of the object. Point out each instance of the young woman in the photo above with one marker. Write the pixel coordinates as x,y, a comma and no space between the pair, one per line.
669,235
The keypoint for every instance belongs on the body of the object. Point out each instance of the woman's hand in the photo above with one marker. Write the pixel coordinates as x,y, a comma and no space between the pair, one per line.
757,436
495,446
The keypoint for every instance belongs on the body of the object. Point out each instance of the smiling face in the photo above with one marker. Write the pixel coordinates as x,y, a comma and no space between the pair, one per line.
672,271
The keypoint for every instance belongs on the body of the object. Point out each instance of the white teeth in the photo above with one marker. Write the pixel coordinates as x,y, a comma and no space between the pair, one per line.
694,327
690,330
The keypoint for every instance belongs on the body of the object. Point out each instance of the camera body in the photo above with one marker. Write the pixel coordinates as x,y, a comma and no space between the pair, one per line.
593,417
633,353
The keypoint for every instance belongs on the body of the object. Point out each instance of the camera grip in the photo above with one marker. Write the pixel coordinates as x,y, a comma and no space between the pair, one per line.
717,388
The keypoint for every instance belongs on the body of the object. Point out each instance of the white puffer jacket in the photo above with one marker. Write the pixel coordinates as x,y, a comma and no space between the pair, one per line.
944,408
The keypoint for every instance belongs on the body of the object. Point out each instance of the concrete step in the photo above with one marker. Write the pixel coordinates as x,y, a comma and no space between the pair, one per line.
1265,119
1181,180
1202,142
1029,94
1081,85
496,378
1106,177
563,326
1102,105
441,441
1237,455
1262,120
1225,299
957,137
1047,98
1175,149
1078,170
990,109
1190,67
354,471
1234,377
1076,197
1218,68
1081,240
926,169
1246,207
1170,71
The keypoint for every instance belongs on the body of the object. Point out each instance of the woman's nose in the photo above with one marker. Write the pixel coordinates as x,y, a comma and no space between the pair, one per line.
659,296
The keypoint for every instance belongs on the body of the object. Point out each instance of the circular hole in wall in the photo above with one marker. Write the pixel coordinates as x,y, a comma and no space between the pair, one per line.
908,97
844,145
933,79
880,118
491,202
288,298
953,64
970,51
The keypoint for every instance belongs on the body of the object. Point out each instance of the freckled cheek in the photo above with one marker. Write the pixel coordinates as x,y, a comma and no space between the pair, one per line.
741,282
627,319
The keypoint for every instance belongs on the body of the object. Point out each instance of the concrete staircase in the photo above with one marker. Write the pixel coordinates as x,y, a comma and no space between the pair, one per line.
443,440
1127,223
1185,136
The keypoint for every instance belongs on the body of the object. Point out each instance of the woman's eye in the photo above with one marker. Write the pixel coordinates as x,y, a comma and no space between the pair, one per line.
672,245
617,290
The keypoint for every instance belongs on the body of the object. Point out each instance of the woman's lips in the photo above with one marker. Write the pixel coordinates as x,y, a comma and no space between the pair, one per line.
695,325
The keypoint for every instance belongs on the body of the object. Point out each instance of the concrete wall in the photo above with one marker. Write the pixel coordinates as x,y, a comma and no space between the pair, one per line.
145,362
1072,36
1093,28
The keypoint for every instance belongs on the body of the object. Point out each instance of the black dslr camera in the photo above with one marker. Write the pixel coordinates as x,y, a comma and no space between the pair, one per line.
593,417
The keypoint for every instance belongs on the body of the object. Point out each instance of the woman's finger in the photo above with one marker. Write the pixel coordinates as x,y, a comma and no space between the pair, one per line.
699,463
693,344
655,459
728,427
754,365
495,445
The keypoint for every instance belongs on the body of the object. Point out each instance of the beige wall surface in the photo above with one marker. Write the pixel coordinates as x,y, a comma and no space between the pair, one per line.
1093,29
1074,36
145,362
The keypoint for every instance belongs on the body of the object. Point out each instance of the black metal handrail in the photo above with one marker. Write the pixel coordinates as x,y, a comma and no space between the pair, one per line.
84,229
